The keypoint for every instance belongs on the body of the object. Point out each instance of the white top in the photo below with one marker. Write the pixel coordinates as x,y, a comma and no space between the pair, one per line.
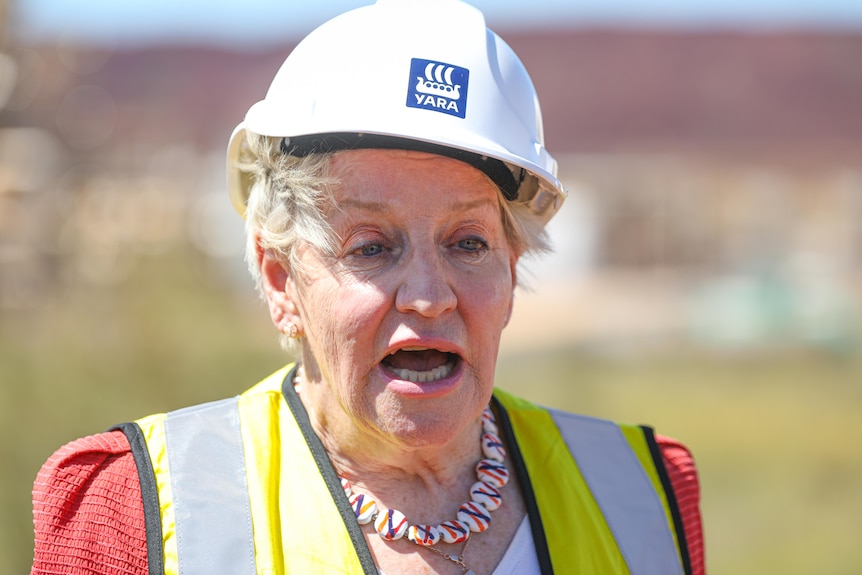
520,557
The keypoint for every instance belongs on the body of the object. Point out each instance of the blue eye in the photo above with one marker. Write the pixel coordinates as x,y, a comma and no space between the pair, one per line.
472,244
370,250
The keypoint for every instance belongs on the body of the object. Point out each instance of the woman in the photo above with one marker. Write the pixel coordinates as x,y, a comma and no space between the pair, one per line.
388,196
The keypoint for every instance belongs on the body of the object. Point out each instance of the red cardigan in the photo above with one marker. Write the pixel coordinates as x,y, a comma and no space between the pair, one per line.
89,515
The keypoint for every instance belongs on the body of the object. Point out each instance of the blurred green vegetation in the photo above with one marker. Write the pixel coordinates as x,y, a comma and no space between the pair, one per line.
775,434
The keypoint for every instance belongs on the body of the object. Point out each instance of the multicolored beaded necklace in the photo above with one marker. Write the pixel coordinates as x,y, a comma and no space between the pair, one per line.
473,516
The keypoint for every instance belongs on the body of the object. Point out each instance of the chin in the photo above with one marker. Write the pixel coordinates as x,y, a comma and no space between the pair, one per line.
431,424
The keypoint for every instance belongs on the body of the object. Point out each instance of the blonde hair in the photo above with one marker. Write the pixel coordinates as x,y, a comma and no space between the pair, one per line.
288,196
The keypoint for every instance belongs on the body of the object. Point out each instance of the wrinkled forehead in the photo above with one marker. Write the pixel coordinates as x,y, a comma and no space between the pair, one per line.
447,177
409,181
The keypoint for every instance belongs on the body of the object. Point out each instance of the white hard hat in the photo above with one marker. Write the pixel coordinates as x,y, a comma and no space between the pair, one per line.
409,74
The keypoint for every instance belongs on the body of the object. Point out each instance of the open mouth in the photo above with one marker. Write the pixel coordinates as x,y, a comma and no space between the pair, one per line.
421,365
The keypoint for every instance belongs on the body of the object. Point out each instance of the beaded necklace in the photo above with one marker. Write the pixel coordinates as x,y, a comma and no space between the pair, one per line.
472,517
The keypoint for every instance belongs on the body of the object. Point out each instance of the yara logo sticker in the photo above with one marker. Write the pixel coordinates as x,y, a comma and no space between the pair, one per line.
438,86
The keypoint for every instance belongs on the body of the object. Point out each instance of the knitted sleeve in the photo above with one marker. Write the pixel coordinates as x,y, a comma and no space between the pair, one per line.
88,513
683,476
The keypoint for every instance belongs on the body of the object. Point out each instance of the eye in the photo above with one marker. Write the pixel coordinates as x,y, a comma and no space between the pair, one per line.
472,244
369,250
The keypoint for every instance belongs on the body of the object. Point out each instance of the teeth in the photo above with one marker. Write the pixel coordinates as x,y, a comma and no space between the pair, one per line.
431,375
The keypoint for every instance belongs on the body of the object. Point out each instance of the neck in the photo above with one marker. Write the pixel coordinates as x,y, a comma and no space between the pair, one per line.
357,459
413,476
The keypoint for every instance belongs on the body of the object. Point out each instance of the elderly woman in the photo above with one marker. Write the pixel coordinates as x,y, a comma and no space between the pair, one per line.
390,181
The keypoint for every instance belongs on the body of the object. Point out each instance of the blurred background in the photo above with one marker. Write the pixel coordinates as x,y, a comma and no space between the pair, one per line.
706,278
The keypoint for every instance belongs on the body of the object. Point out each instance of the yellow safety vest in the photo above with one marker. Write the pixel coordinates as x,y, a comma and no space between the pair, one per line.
243,486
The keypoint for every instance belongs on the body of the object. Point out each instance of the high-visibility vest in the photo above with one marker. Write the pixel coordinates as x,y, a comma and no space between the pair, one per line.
244,486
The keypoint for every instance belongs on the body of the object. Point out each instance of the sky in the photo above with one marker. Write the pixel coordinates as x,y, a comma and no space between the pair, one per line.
258,22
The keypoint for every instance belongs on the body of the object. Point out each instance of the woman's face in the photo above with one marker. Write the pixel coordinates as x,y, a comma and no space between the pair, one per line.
403,322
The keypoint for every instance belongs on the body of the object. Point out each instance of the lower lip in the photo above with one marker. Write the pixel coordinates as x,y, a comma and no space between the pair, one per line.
427,390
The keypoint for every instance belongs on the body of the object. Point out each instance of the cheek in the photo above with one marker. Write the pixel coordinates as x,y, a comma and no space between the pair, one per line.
490,296
349,319
347,343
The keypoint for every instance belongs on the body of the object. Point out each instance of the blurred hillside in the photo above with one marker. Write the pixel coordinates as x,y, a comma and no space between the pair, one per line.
786,94
790,94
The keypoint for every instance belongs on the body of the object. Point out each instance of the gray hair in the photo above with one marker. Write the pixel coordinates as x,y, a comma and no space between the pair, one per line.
289,195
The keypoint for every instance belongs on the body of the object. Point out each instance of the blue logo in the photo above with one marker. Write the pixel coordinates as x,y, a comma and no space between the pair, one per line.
437,86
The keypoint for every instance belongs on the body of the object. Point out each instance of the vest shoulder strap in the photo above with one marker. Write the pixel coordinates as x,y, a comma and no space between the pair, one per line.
593,478
212,526
630,504
219,510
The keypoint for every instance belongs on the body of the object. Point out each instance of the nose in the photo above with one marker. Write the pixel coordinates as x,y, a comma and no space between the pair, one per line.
425,287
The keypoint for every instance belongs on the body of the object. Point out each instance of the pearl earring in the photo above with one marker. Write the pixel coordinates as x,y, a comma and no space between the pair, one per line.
290,330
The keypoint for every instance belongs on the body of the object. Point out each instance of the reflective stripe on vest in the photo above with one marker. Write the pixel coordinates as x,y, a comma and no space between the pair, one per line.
210,494
600,506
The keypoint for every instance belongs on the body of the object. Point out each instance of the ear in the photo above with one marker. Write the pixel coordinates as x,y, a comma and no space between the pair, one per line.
278,287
